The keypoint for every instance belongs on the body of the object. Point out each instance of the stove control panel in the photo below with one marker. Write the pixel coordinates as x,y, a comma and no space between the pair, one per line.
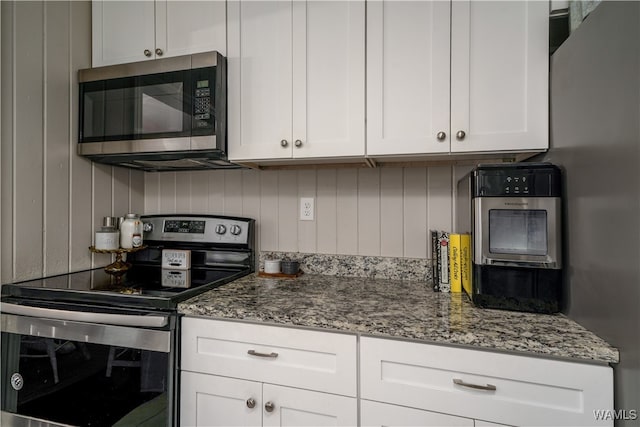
202,229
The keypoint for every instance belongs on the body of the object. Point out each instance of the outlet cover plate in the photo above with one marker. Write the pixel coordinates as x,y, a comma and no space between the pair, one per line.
307,209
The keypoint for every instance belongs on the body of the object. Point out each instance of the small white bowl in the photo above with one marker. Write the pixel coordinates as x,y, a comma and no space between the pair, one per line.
272,266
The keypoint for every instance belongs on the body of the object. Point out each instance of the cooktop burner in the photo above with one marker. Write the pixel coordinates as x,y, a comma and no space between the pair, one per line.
141,286
221,250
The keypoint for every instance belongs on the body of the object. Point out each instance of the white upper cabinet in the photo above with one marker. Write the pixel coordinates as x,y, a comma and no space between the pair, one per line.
296,79
407,76
489,58
130,31
499,75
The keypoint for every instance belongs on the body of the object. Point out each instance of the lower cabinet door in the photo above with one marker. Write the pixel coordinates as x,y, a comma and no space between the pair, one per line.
383,414
286,406
208,400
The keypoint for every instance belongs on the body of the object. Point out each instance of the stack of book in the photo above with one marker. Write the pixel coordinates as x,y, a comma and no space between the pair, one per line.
451,261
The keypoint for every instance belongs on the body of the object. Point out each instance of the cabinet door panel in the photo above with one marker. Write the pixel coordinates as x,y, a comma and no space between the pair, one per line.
296,407
259,64
381,414
122,31
207,400
407,77
328,78
185,27
499,75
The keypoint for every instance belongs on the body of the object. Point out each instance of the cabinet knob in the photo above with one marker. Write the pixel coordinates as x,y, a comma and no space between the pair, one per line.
441,136
298,143
159,52
460,135
147,53
284,142
269,406
251,403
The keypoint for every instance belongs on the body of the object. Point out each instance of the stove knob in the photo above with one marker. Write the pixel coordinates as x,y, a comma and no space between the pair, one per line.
221,229
147,227
235,230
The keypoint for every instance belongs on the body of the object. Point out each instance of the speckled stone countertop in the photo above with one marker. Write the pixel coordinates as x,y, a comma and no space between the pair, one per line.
397,309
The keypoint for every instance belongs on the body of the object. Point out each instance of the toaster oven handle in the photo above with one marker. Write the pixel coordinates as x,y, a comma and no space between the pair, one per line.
148,321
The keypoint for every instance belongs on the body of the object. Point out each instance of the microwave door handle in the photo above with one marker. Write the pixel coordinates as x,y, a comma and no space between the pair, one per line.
150,321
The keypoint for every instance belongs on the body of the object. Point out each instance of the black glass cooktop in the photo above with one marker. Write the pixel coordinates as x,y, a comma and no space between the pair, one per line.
141,286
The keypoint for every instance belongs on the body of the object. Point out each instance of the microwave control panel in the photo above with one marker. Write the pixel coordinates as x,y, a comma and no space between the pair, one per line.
202,104
203,81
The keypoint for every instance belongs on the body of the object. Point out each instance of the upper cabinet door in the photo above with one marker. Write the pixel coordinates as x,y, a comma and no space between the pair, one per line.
122,31
131,31
259,79
328,78
186,27
499,75
407,77
296,79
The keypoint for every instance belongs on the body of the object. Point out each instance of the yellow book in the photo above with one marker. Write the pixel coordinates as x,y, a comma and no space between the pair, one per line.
465,262
454,262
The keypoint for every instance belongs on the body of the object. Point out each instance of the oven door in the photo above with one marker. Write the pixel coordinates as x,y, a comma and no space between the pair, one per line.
58,370
517,231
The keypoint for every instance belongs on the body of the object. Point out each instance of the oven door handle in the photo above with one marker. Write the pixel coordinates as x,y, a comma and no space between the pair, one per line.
149,321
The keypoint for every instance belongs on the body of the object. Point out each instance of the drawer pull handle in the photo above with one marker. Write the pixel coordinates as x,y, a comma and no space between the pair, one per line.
488,387
256,353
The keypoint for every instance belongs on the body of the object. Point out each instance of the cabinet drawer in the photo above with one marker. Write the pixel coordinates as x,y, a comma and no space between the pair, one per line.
312,360
528,390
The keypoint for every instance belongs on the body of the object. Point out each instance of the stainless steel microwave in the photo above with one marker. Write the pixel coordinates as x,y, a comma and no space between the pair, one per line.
165,114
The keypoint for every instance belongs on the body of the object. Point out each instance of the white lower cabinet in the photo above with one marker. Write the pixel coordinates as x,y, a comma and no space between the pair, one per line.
207,400
246,374
481,385
211,400
236,373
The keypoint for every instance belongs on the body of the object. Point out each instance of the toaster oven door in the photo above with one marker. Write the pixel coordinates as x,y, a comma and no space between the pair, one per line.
517,231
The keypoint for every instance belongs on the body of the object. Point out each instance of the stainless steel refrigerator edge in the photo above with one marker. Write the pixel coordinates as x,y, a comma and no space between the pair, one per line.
595,138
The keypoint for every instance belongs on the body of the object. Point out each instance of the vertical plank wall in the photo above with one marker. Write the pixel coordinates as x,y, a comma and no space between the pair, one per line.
379,212
52,200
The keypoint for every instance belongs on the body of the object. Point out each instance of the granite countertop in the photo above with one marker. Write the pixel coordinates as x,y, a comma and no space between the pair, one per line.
397,309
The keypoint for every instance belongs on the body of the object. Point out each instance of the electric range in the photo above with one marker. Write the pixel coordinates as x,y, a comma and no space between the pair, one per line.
92,348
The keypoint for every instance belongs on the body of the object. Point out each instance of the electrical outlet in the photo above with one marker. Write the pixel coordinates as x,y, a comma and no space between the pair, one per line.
306,209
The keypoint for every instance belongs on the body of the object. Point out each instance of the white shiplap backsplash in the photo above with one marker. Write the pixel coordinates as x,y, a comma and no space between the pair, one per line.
378,212
52,199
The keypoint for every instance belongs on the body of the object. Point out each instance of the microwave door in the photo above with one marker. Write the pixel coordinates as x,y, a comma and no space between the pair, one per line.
163,105
133,108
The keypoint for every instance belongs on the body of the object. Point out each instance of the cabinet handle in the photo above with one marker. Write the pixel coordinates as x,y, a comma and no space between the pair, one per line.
256,353
284,142
487,387
298,143
159,52
441,136
147,53
251,403
269,406
460,135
